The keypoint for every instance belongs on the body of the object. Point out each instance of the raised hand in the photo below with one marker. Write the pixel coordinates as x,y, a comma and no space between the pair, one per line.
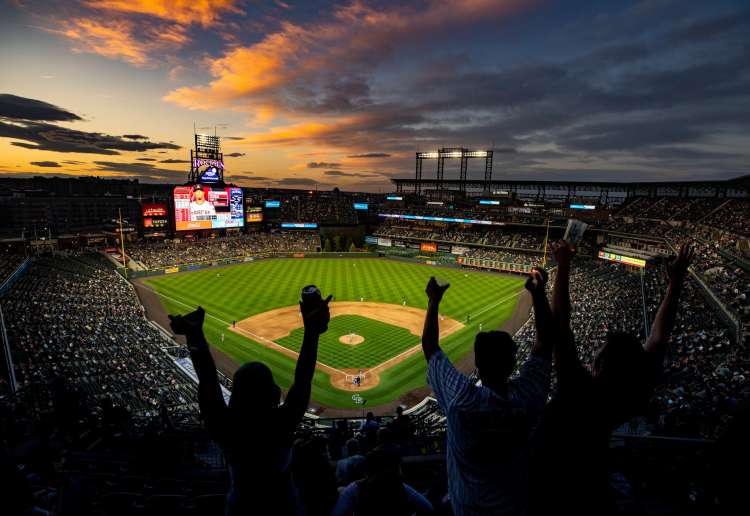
189,324
677,266
562,251
434,290
537,280
316,314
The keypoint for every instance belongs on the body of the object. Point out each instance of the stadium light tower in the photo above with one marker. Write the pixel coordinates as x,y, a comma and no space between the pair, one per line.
453,153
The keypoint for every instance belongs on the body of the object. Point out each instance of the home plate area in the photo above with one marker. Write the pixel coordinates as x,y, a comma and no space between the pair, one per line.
363,338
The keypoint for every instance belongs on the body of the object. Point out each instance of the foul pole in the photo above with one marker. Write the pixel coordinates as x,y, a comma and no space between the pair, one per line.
122,246
546,244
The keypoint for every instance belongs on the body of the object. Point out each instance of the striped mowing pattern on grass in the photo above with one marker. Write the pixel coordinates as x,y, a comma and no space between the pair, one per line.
236,292
382,341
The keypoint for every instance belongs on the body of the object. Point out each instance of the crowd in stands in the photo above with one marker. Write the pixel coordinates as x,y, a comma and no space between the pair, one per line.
328,209
504,237
483,253
73,320
729,281
709,374
8,264
733,216
84,352
168,253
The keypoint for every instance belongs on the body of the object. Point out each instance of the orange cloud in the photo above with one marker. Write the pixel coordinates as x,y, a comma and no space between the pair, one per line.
135,30
182,12
113,39
304,73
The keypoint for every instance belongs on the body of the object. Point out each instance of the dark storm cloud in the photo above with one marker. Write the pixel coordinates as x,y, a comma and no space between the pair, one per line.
323,164
175,161
27,120
146,159
644,91
371,155
707,29
235,154
12,106
50,137
50,164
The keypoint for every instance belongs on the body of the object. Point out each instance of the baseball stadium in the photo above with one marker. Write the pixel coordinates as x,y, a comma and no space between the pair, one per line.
374,257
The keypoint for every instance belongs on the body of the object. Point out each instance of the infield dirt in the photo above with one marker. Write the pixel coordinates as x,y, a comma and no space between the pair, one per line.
268,326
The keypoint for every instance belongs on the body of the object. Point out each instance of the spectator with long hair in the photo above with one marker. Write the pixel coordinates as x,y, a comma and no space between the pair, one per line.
255,431
570,466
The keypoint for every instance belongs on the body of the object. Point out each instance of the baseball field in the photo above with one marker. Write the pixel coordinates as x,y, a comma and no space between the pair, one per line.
372,346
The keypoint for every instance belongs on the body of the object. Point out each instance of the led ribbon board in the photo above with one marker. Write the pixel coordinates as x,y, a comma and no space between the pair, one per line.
299,225
627,260
440,219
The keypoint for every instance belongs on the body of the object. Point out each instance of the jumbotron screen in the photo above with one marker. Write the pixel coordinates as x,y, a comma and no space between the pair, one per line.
204,207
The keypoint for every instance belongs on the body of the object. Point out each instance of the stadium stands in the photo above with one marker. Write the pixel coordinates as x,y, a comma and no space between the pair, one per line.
165,254
103,387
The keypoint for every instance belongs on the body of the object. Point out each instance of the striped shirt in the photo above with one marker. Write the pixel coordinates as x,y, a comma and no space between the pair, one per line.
488,435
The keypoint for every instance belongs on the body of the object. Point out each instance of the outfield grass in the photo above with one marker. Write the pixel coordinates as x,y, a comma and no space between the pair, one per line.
382,341
236,292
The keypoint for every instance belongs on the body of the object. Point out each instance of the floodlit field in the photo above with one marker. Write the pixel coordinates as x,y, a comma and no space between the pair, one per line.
239,292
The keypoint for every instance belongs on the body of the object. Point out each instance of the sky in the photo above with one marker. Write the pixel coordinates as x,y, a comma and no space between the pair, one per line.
342,94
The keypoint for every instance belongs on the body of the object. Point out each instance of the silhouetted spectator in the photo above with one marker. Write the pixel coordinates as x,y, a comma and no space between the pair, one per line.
402,426
489,425
570,468
254,431
350,468
382,491
314,476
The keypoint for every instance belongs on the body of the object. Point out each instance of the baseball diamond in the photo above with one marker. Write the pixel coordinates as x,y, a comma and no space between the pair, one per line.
379,300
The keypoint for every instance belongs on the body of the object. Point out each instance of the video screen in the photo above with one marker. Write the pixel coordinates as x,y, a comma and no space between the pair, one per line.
361,206
204,207
273,204
154,215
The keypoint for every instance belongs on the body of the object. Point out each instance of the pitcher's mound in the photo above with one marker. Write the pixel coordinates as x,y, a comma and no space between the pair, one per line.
352,339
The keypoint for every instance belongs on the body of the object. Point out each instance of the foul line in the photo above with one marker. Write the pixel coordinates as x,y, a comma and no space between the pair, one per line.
275,345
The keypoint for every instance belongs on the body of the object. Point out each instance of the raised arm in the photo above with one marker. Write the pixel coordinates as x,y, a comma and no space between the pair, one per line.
315,315
431,331
545,324
663,324
565,353
210,398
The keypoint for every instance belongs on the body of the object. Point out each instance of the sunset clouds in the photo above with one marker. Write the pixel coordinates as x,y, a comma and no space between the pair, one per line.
578,89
